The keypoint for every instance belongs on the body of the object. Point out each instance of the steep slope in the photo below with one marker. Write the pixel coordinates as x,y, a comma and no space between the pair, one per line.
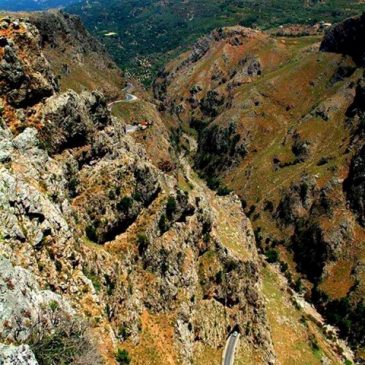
279,122
99,248
142,35
79,61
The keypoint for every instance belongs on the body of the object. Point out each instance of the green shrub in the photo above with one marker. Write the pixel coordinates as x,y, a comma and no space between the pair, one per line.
95,280
272,256
298,286
213,183
206,238
58,265
162,224
171,207
122,357
283,266
72,186
110,284
67,343
111,194
125,204
123,332
53,305
137,196
142,242
91,233
219,277
223,190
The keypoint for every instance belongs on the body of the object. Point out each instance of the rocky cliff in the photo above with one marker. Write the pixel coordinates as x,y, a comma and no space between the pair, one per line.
100,249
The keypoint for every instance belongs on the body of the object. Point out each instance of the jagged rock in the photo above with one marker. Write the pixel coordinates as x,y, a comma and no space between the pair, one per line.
25,83
25,308
62,33
301,148
188,257
200,48
211,104
17,355
71,120
6,146
26,140
251,66
219,148
357,108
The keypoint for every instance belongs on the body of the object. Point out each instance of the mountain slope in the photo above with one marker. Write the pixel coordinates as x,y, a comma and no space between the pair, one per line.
142,35
79,61
280,123
102,251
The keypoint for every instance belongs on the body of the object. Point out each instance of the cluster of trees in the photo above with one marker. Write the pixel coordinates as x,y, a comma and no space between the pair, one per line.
158,32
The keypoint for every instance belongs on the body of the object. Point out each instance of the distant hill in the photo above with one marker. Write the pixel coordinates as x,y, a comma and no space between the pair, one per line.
26,5
143,34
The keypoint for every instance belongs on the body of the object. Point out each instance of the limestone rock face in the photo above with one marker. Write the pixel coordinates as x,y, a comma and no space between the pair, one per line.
25,78
25,308
16,355
355,185
68,121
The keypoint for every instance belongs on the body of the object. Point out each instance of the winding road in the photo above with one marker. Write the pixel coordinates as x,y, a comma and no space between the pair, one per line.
228,355
129,98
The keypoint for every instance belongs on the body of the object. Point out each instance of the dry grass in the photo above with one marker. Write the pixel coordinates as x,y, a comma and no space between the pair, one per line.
156,345
292,336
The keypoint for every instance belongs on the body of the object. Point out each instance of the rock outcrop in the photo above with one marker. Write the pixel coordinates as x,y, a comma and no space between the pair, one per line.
346,38
78,60
24,81
17,355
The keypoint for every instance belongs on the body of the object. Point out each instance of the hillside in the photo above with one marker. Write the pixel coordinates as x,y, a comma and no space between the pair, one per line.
142,35
77,59
107,256
281,124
